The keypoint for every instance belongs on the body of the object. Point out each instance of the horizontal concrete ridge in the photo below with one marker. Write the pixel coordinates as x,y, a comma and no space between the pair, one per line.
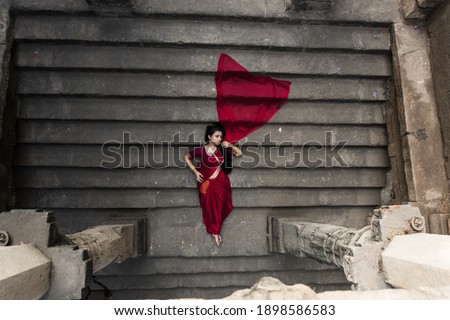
148,198
200,59
222,280
162,157
173,265
201,32
343,10
50,5
246,8
162,220
179,178
179,232
99,132
195,110
180,86
172,293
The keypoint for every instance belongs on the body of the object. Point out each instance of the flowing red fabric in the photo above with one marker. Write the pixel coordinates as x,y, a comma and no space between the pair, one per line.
246,102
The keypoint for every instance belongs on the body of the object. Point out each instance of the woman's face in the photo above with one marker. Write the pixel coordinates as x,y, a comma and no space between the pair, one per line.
216,138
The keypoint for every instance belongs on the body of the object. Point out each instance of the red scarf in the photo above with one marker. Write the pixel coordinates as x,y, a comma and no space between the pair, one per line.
246,102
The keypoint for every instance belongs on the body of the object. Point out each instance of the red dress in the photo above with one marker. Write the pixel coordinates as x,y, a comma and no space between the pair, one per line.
215,194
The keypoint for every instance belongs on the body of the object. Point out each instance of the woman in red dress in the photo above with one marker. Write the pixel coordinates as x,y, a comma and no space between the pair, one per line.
213,184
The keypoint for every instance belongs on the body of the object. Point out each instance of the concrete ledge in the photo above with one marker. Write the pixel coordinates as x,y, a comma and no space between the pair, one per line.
112,132
185,60
85,156
159,198
202,32
174,85
417,260
155,178
343,10
194,111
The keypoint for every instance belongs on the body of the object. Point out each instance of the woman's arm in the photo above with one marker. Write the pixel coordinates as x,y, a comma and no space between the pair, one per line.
237,152
198,175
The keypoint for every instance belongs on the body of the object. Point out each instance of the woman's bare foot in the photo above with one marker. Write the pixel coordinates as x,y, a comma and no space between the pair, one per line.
218,239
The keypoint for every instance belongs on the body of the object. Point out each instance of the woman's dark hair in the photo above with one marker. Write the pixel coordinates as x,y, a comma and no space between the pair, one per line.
227,164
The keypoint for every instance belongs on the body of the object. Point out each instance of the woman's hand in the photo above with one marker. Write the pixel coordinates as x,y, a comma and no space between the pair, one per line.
198,176
226,144
236,151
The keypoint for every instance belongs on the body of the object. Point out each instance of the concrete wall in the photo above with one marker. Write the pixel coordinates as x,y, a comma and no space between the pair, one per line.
75,93
439,30
6,105
420,130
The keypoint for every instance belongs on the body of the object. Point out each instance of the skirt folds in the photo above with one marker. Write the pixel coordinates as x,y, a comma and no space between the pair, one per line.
215,201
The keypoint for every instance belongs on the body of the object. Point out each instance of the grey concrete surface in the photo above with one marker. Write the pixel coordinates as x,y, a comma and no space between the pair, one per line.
24,272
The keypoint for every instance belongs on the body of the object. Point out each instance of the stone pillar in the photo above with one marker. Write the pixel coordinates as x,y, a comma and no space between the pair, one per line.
358,252
5,143
106,244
